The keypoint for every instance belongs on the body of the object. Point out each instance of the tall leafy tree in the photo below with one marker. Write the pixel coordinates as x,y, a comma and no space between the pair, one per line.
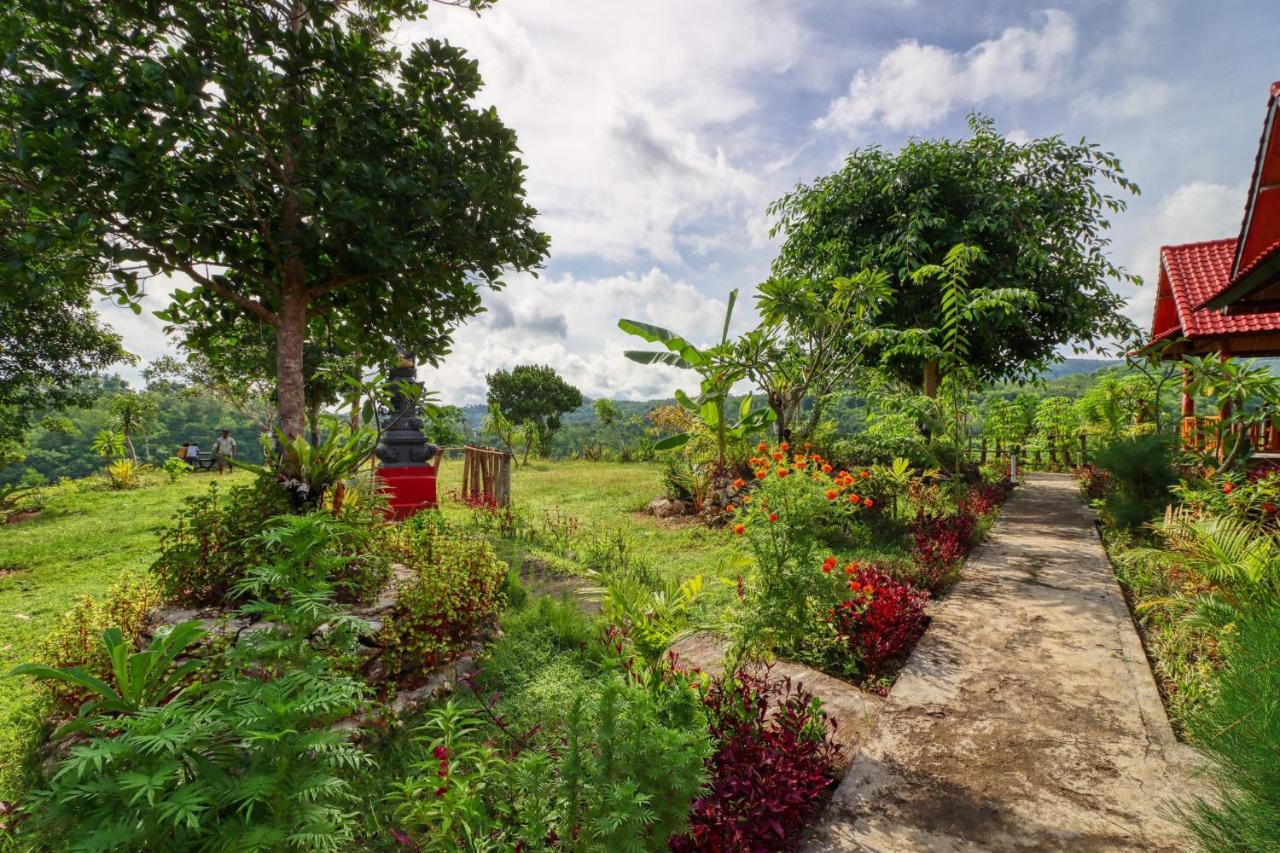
1040,210
281,155
51,340
533,394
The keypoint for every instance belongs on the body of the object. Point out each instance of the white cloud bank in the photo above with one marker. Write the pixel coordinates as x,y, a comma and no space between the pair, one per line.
917,85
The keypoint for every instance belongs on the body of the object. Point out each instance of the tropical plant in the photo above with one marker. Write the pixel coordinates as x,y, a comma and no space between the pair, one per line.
307,471
133,413
139,680
652,620
718,376
175,469
1241,562
109,444
123,474
1247,396
1056,423
812,340
1141,475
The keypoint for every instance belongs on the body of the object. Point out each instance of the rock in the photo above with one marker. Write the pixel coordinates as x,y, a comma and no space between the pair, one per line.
668,507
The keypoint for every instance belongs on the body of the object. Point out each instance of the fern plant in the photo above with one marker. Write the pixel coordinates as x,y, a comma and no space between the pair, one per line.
1239,559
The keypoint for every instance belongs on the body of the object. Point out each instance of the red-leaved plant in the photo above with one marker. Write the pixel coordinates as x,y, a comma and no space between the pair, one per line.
940,543
772,764
882,618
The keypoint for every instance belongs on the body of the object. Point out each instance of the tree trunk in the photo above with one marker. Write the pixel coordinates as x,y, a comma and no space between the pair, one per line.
932,378
290,387
313,421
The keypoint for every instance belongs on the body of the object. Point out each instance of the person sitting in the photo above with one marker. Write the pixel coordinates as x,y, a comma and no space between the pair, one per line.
224,450
193,455
182,451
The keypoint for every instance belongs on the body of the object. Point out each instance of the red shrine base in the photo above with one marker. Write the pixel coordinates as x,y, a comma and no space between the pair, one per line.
410,488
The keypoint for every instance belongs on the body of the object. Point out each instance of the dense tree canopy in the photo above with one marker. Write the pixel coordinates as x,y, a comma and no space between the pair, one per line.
1036,209
281,155
533,394
51,340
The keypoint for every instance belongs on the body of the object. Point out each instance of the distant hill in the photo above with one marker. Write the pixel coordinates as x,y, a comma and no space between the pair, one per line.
1072,366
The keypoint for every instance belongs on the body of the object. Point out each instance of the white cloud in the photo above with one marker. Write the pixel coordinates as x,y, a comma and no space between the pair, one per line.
1193,212
1135,98
590,356
915,86
630,116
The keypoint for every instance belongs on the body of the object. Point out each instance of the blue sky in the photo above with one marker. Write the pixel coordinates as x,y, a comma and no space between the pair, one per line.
656,134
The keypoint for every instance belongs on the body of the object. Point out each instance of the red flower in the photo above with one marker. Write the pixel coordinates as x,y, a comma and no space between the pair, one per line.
729,509
761,474
855,586
867,502
739,483
784,446
826,467
1226,488
865,474
776,455
773,516
762,447
739,529
829,564
1269,508
782,472
831,494
441,753
851,568
854,498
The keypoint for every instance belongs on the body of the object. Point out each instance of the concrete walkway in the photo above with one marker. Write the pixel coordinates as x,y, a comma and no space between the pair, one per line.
1027,718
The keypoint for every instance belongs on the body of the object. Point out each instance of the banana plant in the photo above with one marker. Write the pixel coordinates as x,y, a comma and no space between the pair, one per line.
718,374
143,679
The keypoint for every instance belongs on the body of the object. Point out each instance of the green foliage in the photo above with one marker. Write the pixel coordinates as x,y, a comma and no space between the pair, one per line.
650,619
1141,475
1248,391
307,471
631,763
249,762
320,168
75,641
679,478
108,444
1116,408
138,679
533,394
175,469
1240,731
1036,208
210,544
454,588
1057,425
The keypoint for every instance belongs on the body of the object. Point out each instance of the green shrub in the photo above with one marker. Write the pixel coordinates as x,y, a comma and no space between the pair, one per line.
623,776
76,639
1240,731
251,761
455,587
175,469
215,539
206,549
1142,473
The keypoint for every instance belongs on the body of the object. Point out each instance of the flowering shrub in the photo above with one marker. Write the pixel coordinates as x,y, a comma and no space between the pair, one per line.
794,497
455,587
985,498
772,764
882,619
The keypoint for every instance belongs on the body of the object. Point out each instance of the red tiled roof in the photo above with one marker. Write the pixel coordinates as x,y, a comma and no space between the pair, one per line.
1199,271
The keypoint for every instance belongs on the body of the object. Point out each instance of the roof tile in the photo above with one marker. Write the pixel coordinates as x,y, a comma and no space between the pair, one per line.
1197,273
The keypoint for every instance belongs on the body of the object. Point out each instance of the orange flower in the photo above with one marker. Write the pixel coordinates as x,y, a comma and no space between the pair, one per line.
782,472
728,508
773,516
746,499
868,503
826,468
854,498
739,484
739,529
808,445
784,446
761,474
762,447
855,586
831,494
801,464
850,568
865,474
776,456
1226,488
828,564
868,589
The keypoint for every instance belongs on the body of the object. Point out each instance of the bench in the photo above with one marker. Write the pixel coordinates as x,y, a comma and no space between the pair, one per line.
204,461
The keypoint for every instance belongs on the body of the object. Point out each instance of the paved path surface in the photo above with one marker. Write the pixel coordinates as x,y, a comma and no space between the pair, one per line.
1027,718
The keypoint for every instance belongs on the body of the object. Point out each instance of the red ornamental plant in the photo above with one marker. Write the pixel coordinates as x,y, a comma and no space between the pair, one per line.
940,543
772,764
882,618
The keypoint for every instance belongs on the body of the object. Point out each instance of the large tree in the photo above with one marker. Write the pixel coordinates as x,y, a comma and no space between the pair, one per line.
282,155
1038,209
51,340
533,395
